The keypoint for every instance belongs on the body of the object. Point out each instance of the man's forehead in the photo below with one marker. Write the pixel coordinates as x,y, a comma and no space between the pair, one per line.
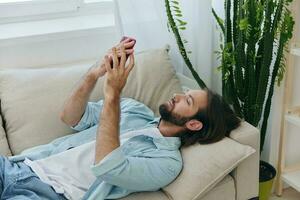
200,97
197,92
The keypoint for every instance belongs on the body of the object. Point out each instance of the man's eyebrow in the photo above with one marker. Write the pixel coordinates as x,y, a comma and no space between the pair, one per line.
191,98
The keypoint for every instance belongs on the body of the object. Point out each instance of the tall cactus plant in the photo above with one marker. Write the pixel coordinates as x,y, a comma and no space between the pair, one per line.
256,34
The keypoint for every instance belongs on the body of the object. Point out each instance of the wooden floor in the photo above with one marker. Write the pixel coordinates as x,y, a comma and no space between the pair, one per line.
288,194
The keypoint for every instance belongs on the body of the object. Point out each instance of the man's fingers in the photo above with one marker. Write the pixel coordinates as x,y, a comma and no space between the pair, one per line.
126,40
129,51
107,63
130,65
123,42
115,58
129,44
123,57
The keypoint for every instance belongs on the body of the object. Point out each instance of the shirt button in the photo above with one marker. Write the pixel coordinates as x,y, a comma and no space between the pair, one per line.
172,170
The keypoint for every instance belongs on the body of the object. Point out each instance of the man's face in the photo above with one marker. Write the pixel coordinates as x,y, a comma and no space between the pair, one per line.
182,107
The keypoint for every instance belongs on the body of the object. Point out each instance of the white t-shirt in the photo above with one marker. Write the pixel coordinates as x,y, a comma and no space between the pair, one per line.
69,172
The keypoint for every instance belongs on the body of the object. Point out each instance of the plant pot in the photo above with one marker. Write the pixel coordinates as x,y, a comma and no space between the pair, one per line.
267,174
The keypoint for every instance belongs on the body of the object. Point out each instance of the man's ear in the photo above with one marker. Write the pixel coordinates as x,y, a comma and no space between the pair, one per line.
194,125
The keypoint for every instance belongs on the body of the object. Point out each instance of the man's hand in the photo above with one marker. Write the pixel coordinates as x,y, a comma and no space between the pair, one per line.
99,69
128,44
117,74
108,132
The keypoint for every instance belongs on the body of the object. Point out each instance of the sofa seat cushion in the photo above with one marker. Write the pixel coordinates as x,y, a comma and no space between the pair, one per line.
224,190
4,148
31,99
159,195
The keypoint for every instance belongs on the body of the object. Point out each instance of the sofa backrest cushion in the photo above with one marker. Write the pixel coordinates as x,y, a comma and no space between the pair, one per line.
4,148
32,99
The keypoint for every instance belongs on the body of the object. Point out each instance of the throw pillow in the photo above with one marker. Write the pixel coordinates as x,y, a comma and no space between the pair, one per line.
205,166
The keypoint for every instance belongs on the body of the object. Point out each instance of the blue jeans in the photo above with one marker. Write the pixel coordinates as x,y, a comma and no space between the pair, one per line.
19,182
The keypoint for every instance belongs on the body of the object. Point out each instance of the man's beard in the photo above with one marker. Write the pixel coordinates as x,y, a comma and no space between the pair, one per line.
168,116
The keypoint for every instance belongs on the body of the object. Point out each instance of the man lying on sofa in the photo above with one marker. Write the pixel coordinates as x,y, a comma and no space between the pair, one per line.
129,151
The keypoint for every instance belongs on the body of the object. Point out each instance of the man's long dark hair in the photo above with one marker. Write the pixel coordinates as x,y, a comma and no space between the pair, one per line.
218,121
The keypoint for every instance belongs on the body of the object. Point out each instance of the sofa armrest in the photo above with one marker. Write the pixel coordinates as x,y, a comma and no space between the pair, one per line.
246,174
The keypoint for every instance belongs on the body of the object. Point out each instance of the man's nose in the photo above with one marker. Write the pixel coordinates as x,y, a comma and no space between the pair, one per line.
176,97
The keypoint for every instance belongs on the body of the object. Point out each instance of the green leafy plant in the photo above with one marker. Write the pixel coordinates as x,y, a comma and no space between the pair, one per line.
255,37
173,8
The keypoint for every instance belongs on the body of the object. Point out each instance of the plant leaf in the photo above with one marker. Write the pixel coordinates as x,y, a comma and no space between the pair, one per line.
168,26
177,11
243,25
181,22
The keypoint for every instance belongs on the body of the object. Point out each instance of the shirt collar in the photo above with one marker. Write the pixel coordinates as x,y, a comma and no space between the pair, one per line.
169,143
161,142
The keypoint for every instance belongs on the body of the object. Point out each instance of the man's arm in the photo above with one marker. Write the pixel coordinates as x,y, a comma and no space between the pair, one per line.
108,132
75,105
153,173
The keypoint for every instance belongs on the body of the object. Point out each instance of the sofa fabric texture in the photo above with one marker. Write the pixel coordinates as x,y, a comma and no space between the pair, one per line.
224,190
4,148
205,165
246,175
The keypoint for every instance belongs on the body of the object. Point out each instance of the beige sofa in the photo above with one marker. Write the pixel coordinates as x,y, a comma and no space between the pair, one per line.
31,100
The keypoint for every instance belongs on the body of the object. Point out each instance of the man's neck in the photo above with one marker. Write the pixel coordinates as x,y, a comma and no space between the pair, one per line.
168,129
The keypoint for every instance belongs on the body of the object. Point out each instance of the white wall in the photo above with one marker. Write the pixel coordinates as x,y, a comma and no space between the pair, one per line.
147,22
59,38
56,51
199,34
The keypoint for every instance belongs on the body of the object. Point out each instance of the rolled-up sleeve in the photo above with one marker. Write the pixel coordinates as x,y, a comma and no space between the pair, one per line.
90,117
137,173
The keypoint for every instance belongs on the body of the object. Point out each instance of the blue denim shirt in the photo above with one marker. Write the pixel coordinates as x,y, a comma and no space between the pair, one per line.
142,163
